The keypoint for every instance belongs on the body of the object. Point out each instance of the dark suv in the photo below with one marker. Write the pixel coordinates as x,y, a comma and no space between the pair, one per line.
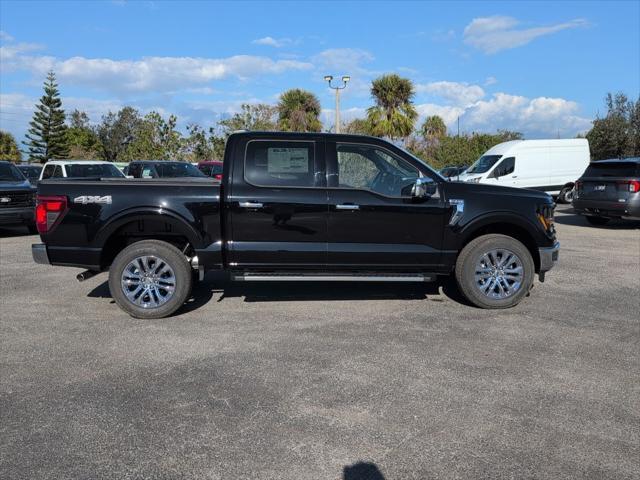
17,197
162,169
609,189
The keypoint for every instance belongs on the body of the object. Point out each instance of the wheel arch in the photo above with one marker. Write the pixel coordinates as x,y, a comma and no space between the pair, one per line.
510,225
137,224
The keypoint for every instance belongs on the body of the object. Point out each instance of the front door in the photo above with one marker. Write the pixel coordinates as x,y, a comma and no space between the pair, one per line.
277,206
374,223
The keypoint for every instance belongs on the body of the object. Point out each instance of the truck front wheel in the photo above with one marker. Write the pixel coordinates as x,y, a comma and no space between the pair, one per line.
495,271
150,279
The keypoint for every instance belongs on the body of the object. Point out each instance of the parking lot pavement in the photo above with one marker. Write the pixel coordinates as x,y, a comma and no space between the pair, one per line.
318,381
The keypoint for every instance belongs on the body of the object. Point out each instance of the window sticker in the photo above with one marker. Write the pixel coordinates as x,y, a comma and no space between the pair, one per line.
288,160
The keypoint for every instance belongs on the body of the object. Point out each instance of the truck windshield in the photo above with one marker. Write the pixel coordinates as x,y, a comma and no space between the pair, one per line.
93,170
177,169
9,173
613,169
484,163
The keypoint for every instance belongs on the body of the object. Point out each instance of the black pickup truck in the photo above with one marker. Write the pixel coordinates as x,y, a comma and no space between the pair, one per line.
298,207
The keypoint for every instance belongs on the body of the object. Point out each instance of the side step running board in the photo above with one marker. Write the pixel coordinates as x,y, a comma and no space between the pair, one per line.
268,277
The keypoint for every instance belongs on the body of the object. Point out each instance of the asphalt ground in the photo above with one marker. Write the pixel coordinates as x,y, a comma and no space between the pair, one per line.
326,381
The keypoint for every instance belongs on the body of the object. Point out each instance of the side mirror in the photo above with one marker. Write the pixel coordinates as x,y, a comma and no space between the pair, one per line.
423,188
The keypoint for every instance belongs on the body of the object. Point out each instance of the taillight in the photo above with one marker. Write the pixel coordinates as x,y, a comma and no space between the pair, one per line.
632,185
218,177
579,185
49,211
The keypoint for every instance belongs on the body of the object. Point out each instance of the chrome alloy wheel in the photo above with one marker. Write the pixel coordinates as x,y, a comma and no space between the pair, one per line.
499,274
148,281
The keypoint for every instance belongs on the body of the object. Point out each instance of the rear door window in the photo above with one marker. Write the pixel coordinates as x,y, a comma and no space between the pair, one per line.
613,169
280,164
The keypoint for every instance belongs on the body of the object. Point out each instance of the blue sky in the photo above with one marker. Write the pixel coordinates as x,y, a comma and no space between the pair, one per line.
541,68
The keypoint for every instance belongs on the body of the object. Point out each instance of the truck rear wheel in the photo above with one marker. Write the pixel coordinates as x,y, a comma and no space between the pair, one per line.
495,271
150,279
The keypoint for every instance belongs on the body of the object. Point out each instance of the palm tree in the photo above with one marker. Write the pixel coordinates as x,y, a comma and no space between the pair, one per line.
299,111
433,129
393,115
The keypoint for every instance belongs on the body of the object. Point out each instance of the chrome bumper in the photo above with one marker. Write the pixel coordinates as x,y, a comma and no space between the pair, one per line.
548,257
39,253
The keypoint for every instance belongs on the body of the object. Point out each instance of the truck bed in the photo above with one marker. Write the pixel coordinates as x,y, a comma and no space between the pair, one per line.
182,210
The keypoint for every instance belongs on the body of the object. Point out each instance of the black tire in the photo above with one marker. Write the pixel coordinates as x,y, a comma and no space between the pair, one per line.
566,195
471,254
599,221
172,257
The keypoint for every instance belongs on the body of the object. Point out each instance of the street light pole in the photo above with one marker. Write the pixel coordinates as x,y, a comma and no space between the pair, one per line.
345,79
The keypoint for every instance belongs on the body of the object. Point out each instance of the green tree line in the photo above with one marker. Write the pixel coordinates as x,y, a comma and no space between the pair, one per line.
128,135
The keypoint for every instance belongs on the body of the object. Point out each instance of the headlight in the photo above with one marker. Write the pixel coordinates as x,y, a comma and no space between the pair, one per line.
474,180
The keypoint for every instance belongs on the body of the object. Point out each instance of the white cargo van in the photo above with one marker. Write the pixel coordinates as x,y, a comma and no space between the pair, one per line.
552,166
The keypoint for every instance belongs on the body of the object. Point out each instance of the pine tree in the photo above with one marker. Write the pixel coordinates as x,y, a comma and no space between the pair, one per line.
47,137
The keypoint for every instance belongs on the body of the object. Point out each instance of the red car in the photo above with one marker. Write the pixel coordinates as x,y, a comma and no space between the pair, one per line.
211,168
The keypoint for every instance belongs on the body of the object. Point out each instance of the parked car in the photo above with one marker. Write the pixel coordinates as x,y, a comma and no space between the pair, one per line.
162,169
121,166
17,197
551,166
609,189
296,207
453,172
32,172
80,169
211,168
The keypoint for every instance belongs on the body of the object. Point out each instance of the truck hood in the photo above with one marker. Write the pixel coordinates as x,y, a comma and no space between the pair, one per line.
465,188
465,177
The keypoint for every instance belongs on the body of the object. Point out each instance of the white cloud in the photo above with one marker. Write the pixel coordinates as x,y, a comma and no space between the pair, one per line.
272,42
156,74
537,117
496,33
342,60
5,37
460,94
448,113
10,54
490,81
441,35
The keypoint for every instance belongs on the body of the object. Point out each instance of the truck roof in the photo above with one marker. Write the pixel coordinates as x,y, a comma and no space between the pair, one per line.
505,147
84,162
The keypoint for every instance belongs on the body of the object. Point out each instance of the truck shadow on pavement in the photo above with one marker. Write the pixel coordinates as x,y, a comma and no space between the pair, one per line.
17,231
217,286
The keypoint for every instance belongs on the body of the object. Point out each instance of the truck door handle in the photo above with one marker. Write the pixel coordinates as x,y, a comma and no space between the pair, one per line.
250,205
347,206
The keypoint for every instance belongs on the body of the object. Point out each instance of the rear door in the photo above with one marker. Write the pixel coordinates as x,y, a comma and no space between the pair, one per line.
276,204
374,223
